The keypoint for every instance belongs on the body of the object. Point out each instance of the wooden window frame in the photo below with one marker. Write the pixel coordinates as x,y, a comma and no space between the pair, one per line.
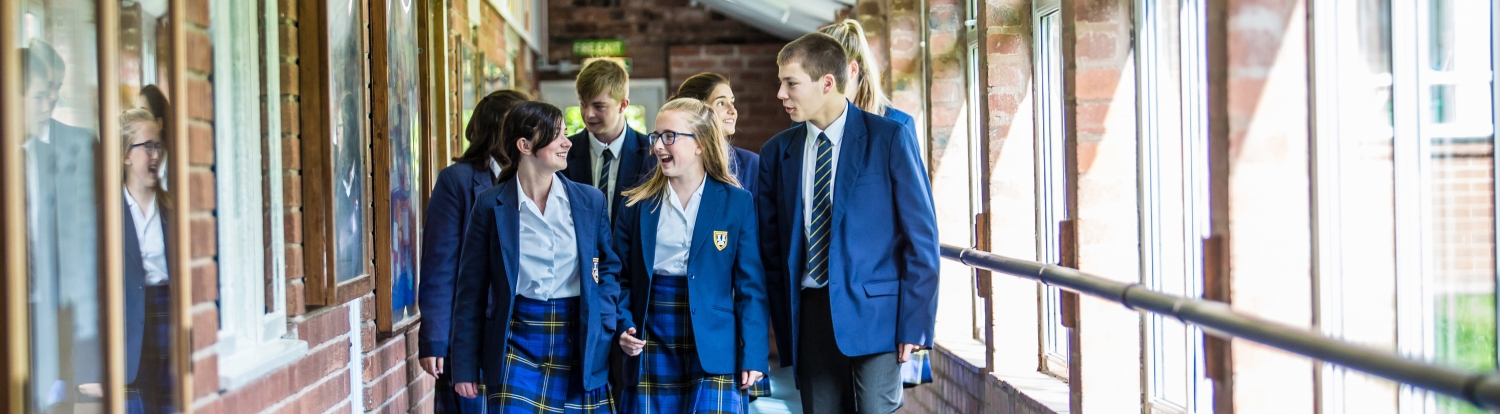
381,158
322,285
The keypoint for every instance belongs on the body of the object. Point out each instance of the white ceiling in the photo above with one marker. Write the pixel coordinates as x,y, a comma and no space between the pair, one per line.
787,19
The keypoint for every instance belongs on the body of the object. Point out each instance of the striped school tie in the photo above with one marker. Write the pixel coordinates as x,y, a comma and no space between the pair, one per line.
603,182
822,213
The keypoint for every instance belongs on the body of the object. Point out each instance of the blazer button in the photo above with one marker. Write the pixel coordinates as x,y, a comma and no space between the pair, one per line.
695,311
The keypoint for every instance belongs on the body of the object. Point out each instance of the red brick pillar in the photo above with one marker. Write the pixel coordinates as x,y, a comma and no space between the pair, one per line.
906,90
1012,163
198,54
1100,112
1261,207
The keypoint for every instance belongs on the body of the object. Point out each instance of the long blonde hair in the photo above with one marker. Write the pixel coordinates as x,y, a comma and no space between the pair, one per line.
710,137
868,95
132,121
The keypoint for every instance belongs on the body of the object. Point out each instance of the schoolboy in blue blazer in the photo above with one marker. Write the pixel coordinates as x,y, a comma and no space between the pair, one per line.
603,91
849,237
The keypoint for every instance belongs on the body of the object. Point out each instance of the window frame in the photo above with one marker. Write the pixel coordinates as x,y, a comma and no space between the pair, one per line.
320,232
1051,179
252,342
1192,122
381,161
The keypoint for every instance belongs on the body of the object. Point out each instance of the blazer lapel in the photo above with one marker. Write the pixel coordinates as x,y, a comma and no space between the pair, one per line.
583,235
711,205
508,226
851,160
650,220
483,180
580,164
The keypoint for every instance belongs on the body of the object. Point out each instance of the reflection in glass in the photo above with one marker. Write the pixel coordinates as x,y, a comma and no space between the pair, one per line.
346,81
148,289
61,85
147,208
1458,182
405,166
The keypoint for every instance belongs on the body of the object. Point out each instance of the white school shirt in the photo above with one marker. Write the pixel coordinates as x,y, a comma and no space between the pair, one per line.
835,134
549,249
152,241
596,162
674,232
495,168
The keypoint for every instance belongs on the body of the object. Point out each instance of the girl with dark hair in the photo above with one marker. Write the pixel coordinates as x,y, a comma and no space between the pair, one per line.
713,89
535,307
442,239
693,310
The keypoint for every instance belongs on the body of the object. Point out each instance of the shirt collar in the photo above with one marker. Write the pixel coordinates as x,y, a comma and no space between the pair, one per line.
45,135
558,193
614,146
835,129
494,167
135,206
677,202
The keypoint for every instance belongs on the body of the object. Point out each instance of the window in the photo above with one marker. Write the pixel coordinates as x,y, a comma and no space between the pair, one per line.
975,113
1173,139
61,236
1405,163
1051,184
252,312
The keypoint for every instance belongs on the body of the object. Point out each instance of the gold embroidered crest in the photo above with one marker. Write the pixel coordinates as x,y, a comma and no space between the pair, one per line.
721,239
596,270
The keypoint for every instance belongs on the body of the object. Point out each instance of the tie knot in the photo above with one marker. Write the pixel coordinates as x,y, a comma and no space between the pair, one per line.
608,155
823,137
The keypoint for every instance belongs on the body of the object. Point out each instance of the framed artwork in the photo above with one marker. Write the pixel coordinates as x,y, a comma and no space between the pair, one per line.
397,160
336,186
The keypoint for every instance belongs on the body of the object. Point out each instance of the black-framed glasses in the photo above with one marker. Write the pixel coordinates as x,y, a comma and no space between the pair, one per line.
152,147
668,137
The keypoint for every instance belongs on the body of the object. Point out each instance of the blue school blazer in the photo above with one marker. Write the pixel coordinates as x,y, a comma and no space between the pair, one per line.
901,118
488,268
883,254
726,283
745,165
635,160
442,238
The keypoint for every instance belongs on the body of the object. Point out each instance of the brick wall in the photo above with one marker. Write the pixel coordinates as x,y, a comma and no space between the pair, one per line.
751,70
201,207
648,27
320,381
961,387
1464,188
1100,126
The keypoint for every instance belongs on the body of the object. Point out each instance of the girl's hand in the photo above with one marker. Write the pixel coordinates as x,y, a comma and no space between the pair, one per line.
466,389
749,377
630,344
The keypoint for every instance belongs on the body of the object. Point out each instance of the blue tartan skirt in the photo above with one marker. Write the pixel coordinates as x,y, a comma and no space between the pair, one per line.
151,392
539,374
672,379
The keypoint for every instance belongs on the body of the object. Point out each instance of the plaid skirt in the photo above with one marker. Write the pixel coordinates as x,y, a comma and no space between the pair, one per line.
151,392
538,374
672,379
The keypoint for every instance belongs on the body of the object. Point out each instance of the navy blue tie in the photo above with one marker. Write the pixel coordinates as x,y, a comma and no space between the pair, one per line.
822,213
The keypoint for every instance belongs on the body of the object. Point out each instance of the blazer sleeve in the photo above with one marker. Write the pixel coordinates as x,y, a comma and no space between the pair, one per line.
750,302
917,220
626,227
471,299
441,237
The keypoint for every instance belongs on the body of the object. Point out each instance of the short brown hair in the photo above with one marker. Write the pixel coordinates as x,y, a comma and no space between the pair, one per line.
700,86
819,54
602,76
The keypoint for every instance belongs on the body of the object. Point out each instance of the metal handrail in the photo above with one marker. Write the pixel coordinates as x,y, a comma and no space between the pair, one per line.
1218,319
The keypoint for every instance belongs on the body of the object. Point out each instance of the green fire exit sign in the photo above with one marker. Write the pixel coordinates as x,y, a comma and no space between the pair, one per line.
599,47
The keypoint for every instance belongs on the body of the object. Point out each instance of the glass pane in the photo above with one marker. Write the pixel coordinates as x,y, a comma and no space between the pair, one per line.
60,72
405,133
1458,181
1051,181
1357,213
144,124
346,79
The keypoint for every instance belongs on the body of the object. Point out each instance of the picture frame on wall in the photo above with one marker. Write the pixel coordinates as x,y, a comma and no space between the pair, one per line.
337,192
397,158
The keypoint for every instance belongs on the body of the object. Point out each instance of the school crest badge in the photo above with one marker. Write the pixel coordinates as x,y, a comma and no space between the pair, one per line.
721,239
596,270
